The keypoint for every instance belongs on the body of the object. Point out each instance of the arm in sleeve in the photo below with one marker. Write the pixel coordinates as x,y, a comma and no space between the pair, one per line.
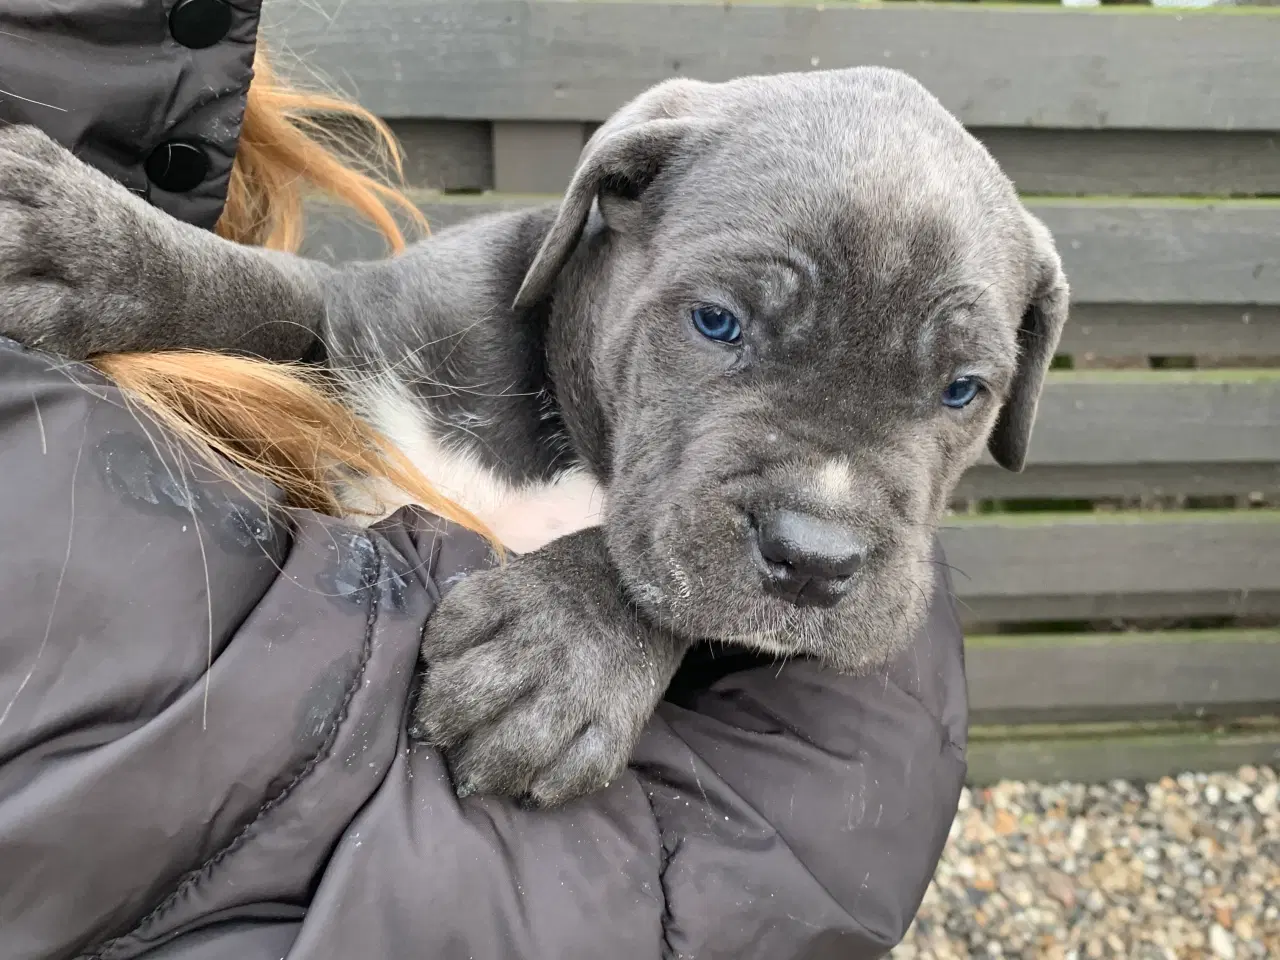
826,801
778,814
197,693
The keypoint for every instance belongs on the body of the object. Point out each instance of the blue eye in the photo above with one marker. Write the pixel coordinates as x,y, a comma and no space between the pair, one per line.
716,323
960,393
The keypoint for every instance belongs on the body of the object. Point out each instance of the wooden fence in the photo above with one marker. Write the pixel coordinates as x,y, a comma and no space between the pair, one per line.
1124,591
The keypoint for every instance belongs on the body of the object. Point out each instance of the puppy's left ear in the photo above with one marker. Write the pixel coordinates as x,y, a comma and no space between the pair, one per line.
617,165
1038,337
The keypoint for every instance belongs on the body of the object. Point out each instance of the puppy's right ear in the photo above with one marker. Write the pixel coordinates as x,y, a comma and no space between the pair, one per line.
618,164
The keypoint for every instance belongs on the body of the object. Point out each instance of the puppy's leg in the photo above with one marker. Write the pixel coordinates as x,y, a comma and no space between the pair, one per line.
86,268
539,675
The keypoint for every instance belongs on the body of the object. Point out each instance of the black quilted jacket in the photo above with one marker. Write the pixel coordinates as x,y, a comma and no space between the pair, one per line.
202,747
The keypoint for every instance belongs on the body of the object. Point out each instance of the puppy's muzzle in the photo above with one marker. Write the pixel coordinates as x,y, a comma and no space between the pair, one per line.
804,559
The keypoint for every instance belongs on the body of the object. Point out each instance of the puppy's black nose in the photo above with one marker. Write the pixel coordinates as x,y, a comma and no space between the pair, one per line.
807,560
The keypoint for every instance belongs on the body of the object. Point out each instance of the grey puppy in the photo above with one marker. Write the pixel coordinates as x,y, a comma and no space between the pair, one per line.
776,318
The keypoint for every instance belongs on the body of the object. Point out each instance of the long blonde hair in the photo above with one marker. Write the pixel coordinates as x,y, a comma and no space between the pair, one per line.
281,421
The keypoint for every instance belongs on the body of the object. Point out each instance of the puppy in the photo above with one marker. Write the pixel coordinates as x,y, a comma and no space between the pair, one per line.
773,320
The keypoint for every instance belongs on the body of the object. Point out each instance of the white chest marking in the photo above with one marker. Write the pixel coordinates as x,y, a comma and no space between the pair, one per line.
524,518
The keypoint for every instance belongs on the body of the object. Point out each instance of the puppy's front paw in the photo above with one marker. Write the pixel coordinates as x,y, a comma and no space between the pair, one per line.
77,249
539,678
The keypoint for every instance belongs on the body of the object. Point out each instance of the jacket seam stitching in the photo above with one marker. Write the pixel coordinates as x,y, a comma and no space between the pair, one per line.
201,872
665,855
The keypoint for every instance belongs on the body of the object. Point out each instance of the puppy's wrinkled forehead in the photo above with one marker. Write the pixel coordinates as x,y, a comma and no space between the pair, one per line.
866,158
856,183
856,123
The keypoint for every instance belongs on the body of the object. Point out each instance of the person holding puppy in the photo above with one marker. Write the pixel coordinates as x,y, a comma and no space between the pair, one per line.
205,668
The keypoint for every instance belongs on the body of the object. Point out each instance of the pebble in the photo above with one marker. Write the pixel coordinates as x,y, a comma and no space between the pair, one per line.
1180,869
1265,800
1221,944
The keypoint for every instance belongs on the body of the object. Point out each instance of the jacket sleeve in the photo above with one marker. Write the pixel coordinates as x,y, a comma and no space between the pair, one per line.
203,757
198,691
771,814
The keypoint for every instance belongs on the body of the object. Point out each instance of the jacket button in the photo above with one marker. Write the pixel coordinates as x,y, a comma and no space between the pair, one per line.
199,23
177,166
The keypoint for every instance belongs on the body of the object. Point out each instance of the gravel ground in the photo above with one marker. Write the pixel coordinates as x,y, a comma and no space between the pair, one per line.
1183,868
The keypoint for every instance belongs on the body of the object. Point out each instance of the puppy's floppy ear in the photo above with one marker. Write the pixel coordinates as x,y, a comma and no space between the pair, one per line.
1038,337
617,165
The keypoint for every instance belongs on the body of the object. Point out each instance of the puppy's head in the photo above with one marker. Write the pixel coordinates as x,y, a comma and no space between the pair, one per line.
811,300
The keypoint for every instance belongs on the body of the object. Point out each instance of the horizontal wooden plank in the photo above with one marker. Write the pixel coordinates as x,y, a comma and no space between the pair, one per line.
1009,556
993,66
1094,418
535,157
1167,252
1137,162
1125,753
1051,678
446,154
1119,607
1120,481
1210,331
456,155
1115,252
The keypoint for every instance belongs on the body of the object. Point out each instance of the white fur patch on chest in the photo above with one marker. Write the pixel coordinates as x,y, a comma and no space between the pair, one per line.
536,515
524,518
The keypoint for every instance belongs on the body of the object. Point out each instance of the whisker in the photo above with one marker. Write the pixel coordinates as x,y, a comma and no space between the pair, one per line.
951,567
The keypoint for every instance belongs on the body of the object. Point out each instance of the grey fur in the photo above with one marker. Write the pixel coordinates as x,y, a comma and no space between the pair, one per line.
874,252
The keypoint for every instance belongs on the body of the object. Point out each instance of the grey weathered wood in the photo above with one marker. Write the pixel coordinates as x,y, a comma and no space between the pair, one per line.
1099,417
1025,66
1111,607
456,155
1168,252
1137,162
1115,252
1098,759
1099,677
1157,163
1128,481
1137,330
1014,556
446,154
535,157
